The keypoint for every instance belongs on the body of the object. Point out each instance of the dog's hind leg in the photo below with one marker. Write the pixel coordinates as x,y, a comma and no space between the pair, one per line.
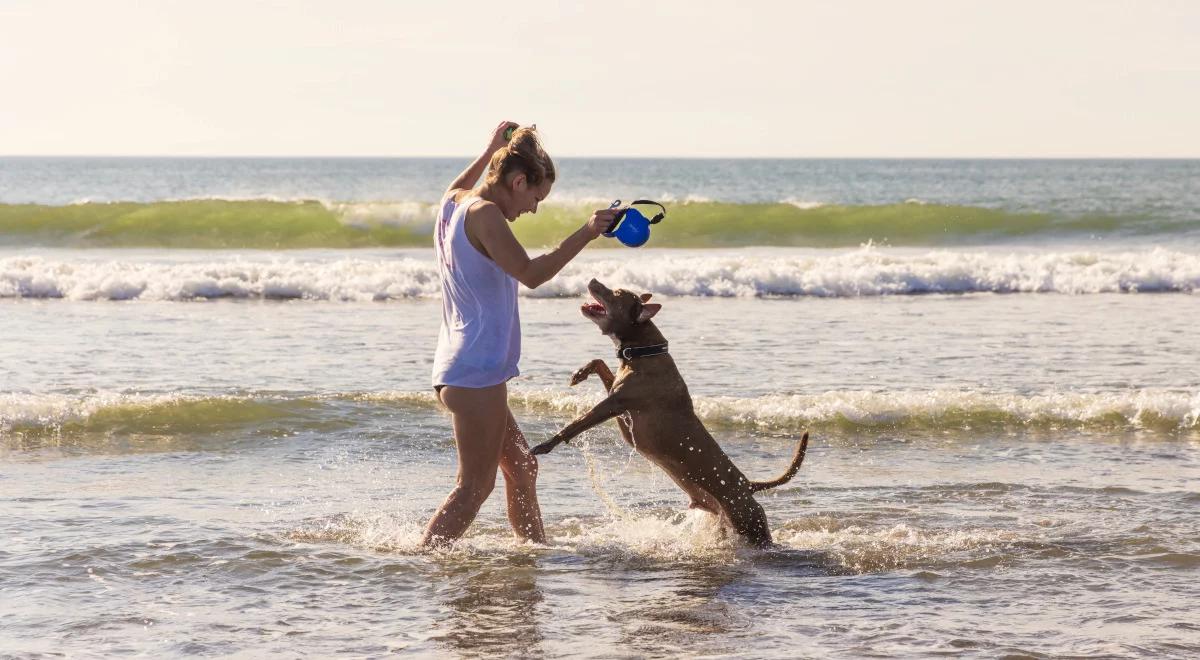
747,517
700,498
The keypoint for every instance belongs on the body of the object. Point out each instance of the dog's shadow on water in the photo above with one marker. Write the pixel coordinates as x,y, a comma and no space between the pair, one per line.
799,563
703,607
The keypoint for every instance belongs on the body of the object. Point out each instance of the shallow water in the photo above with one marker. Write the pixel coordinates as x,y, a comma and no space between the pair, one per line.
233,452
900,545
251,477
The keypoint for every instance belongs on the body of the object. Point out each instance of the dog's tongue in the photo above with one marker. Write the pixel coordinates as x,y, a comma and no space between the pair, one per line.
593,308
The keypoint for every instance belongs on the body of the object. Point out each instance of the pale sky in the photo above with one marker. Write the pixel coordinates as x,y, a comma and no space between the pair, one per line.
911,78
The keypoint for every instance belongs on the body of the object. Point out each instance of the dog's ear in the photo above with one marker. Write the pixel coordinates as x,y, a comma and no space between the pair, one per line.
646,297
648,312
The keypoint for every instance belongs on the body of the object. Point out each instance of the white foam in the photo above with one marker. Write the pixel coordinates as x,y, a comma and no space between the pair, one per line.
802,203
873,271
687,535
948,409
865,549
664,536
364,215
51,411
559,200
1136,408
1151,407
274,199
689,198
335,280
577,200
867,271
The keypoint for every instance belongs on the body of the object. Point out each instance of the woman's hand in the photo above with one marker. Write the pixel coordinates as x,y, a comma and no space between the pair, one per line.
498,140
475,170
600,220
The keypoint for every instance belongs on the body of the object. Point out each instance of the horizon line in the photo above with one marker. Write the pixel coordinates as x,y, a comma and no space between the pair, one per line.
606,157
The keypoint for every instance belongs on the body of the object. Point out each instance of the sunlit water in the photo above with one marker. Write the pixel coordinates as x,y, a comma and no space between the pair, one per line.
234,452
990,474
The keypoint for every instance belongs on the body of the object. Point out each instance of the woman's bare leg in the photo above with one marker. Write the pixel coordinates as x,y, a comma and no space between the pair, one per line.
520,470
480,426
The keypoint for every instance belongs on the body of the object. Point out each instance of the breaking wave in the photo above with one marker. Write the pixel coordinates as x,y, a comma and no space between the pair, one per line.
286,224
867,271
968,412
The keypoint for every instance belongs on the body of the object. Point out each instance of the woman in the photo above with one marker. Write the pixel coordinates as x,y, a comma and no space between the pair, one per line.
480,263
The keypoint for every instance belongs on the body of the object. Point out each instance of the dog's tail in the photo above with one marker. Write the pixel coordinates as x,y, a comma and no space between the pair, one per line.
756,486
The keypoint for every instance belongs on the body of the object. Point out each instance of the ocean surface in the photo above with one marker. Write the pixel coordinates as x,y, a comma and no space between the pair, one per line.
217,436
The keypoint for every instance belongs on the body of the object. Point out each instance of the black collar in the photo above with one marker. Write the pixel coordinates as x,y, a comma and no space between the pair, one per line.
631,352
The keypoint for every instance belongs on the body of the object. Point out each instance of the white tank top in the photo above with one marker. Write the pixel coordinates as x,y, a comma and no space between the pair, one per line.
480,341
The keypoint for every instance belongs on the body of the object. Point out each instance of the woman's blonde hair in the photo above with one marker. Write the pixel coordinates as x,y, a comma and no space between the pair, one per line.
522,155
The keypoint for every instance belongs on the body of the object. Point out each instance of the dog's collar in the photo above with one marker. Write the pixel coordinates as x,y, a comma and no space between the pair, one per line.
631,352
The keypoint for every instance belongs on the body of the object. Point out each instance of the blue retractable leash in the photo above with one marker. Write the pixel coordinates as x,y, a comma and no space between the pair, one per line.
630,226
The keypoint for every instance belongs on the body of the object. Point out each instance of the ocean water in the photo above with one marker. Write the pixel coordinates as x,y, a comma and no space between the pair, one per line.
217,435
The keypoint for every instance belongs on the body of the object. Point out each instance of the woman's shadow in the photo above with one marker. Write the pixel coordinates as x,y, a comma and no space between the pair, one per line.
490,606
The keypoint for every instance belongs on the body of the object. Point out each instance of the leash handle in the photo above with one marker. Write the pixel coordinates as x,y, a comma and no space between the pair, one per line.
621,214
658,217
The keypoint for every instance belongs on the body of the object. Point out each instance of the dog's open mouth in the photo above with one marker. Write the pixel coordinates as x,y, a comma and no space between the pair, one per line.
593,309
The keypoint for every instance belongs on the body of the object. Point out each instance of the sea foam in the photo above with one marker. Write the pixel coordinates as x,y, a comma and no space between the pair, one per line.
960,411
867,271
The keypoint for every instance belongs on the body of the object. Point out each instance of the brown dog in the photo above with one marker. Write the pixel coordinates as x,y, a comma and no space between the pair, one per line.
654,411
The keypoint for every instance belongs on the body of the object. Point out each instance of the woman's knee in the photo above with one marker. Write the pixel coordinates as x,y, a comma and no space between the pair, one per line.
519,466
476,488
522,471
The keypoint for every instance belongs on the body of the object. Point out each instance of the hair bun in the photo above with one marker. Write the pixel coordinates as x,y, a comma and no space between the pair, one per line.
523,154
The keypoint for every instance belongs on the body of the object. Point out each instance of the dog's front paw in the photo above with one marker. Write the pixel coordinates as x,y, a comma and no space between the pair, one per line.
545,448
581,375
